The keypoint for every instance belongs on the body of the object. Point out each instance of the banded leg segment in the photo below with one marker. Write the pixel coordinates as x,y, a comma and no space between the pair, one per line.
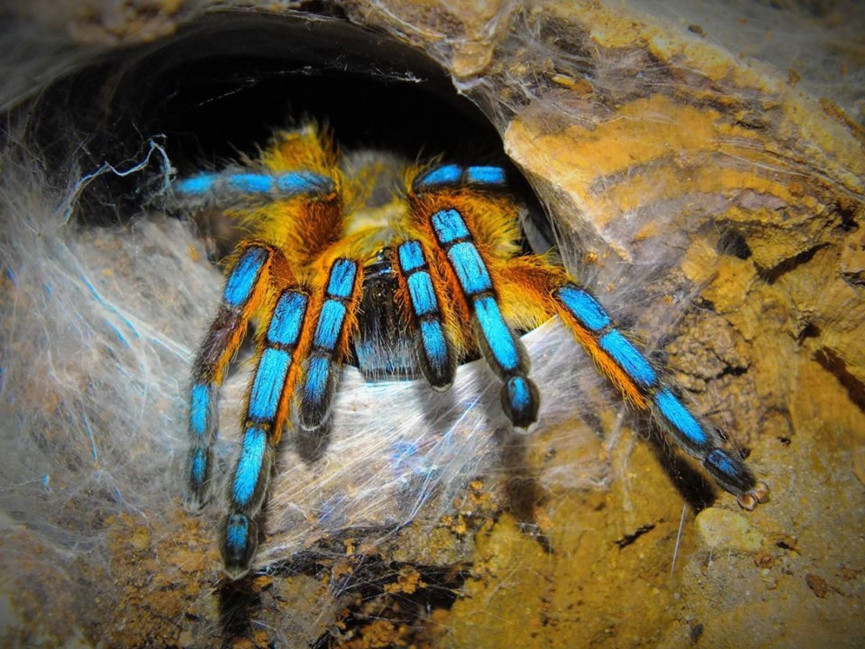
235,187
432,346
266,411
500,346
453,175
243,288
329,343
632,373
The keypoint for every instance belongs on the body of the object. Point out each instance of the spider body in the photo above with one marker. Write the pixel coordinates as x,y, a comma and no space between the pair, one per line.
409,268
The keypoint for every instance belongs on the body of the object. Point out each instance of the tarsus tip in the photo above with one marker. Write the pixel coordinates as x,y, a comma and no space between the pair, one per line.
759,494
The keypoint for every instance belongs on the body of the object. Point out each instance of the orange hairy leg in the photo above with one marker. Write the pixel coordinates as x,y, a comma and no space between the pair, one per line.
529,281
312,333
246,294
336,322
463,259
530,286
492,223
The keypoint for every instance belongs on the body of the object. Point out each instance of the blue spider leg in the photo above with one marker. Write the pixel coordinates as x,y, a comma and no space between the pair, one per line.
636,377
500,346
224,337
227,187
322,369
433,348
264,418
453,175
